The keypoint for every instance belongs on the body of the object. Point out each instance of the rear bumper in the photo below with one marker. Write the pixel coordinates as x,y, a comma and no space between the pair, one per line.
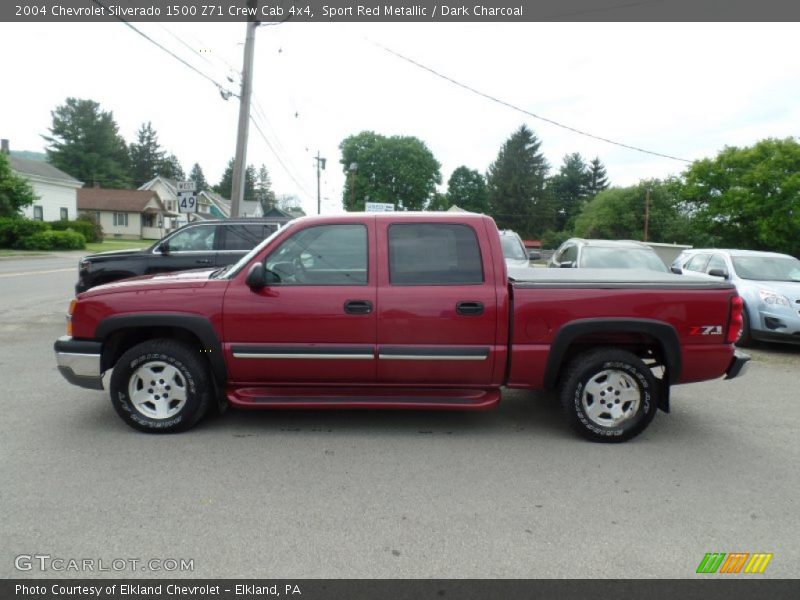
737,366
79,362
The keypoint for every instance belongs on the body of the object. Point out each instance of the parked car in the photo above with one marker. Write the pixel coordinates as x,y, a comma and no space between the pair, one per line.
398,310
202,244
606,254
514,250
768,282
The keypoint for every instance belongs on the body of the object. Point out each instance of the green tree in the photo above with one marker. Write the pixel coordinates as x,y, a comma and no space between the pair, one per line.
171,168
263,189
569,189
225,185
749,197
467,189
84,141
438,203
598,178
619,213
396,170
15,191
516,182
196,175
146,155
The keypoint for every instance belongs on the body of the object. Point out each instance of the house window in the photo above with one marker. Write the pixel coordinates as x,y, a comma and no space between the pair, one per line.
64,214
38,213
97,216
149,220
120,219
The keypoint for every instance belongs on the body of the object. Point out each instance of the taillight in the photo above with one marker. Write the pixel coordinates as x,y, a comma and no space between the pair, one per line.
735,323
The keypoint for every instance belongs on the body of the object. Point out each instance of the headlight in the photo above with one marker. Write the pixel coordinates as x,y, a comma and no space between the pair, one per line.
772,299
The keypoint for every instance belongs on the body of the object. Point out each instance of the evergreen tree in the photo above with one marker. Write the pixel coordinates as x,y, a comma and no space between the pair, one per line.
171,168
598,179
516,182
466,189
569,189
196,175
263,189
15,191
225,185
147,157
84,141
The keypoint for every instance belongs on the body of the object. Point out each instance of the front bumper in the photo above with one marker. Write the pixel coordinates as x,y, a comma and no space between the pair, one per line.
79,362
737,366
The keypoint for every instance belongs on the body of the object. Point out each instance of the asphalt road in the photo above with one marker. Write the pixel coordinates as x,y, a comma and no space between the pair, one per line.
506,493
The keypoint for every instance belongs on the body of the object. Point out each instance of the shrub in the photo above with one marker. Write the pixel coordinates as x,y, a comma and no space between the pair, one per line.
52,240
97,229
13,229
84,227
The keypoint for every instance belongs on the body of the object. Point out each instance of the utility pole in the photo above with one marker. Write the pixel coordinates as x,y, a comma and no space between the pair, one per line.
320,165
240,160
646,213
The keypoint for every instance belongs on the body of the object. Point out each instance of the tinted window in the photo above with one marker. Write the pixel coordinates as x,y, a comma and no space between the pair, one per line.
322,255
245,237
697,263
434,254
198,238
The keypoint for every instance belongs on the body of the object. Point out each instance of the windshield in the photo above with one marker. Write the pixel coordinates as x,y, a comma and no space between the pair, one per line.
513,248
622,258
767,268
235,268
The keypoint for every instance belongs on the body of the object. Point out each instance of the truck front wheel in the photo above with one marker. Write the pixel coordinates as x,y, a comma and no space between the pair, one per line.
609,395
161,386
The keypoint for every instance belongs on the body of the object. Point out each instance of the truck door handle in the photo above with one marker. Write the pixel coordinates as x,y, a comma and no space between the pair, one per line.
469,308
358,307
203,261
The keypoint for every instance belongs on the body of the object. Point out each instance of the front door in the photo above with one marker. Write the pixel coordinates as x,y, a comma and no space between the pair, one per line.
316,323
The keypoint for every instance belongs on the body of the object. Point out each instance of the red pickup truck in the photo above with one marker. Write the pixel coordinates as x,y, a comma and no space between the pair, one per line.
398,310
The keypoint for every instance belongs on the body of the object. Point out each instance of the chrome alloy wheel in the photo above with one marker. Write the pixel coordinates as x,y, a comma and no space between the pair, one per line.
157,390
611,397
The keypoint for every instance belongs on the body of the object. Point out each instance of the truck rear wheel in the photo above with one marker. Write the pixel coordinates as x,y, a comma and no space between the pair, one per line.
161,386
609,395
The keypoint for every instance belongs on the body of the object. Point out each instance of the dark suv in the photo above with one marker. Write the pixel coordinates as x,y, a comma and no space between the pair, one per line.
202,244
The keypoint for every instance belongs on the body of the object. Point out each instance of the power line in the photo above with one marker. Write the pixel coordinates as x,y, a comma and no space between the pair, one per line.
175,56
522,110
277,156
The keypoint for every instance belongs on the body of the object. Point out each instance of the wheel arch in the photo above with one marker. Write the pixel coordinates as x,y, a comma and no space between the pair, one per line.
119,333
583,334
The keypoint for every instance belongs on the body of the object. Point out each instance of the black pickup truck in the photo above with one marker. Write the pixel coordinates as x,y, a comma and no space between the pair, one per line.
198,245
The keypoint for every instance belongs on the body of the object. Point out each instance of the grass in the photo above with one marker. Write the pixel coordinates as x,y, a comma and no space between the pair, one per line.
112,244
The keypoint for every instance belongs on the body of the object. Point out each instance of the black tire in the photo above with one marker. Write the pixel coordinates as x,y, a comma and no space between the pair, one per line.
615,412
178,370
745,339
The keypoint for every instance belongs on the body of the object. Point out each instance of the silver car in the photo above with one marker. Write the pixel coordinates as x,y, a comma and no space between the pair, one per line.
768,282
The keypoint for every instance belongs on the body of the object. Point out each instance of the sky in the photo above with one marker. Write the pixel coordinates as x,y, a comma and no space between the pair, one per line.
685,90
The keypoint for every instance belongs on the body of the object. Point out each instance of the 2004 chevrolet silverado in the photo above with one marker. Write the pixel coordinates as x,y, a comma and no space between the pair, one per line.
398,310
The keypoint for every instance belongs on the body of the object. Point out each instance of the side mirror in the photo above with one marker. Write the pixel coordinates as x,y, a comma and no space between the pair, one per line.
256,276
567,264
718,273
676,270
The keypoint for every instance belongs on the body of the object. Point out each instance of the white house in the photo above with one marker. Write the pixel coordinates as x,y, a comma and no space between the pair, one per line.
55,190
167,191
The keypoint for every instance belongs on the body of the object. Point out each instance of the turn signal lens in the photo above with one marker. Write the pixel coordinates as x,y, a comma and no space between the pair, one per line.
70,312
735,324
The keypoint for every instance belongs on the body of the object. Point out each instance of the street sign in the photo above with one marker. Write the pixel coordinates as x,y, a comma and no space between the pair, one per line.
378,207
187,202
186,186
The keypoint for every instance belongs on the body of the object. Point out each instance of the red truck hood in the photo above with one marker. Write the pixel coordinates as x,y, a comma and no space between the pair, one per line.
183,279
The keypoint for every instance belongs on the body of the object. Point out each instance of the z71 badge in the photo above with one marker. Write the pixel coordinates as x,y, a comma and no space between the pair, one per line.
706,330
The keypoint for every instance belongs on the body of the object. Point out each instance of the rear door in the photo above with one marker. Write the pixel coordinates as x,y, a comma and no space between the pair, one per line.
437,303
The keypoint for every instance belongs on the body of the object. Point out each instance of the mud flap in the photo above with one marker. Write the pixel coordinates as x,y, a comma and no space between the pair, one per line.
663,397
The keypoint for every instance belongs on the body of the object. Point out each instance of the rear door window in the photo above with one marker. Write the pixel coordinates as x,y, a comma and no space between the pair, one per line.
434,254
245,236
